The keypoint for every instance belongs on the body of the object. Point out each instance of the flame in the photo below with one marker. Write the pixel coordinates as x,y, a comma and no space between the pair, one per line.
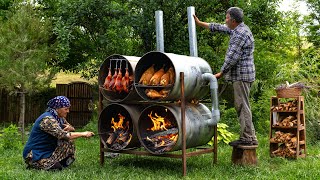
159,123
119,124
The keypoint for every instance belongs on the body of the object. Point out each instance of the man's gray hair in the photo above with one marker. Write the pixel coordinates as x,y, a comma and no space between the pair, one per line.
236,14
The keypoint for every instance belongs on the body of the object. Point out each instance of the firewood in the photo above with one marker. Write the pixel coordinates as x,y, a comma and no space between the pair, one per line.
154,134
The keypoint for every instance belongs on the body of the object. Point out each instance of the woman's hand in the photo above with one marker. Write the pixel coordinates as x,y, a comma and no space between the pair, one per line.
68,128
88,134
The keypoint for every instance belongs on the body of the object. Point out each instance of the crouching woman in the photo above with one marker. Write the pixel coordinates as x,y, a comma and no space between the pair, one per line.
50,144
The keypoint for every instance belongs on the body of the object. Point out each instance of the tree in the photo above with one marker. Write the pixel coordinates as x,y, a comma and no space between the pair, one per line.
24,53
314,22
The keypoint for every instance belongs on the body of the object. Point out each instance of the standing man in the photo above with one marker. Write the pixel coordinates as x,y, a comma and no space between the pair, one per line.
238,68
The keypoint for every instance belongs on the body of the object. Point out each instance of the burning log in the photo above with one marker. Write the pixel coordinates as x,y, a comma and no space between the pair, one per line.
120,137
163,133
162,136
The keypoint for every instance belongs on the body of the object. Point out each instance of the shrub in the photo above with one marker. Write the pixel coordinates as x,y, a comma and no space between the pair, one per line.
10,138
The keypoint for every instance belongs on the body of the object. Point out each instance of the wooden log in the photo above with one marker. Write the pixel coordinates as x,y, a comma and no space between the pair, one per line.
244,155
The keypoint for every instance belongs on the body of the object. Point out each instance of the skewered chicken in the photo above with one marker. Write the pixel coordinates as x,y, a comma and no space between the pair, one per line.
155,79
117,84
107,80
125,81
147,75
113,79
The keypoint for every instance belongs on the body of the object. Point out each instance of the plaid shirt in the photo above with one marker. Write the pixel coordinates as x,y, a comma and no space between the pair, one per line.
238,64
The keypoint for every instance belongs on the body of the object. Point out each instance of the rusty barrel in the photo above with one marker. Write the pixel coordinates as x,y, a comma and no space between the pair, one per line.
193,67
117,126
160,127
113,65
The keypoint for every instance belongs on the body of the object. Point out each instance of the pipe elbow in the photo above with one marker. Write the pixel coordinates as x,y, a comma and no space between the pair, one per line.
212,79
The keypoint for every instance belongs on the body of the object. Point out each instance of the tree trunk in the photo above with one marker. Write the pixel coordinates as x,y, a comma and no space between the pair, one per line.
22,113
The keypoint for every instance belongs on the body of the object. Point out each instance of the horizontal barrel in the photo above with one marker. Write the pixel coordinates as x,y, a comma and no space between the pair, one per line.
117,126
160,127
160,88
116,77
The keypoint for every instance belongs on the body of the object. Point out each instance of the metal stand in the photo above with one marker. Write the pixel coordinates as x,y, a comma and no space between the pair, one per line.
184,154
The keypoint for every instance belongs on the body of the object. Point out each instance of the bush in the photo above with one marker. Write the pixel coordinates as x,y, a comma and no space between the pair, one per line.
10,138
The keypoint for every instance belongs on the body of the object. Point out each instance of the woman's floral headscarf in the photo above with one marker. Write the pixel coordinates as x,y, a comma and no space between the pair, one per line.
56,103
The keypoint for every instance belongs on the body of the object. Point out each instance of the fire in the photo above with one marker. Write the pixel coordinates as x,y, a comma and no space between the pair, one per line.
159,122
117,125
164,135
120,137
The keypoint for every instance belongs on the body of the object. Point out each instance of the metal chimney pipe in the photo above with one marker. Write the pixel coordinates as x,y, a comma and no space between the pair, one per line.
192,32
159,30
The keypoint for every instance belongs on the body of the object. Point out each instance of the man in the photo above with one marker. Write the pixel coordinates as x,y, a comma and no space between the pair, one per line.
238,68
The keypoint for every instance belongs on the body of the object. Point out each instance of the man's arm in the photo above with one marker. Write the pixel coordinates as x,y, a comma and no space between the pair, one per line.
200,23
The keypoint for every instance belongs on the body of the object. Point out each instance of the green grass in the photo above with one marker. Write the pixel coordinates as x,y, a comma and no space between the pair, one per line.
66,78
130,167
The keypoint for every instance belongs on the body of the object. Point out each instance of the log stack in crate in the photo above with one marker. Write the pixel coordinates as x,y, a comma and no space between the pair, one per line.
287,127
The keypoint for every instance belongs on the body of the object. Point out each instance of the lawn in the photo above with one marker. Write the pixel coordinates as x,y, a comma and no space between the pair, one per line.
145,167
65,78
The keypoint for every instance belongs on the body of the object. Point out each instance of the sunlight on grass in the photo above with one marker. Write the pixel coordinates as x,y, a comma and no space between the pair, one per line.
66,78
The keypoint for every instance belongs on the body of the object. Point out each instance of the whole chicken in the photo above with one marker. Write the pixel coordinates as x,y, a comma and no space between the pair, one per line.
155,79
165,78
172,76
146,76
107,80
113,79
153,94
117,84
125,81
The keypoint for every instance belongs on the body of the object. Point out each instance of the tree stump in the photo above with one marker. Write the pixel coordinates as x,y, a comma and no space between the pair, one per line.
244,155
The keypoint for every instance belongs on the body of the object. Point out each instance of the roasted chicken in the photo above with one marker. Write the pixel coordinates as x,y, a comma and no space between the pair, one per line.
155,79
172,75
125,81
147,75
117,84
113,79
107,80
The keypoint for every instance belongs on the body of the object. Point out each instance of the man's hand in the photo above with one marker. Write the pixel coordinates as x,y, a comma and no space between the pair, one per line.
68,128
200,23
218,75
196,19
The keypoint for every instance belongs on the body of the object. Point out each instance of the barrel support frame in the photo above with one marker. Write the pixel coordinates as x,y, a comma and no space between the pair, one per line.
184,155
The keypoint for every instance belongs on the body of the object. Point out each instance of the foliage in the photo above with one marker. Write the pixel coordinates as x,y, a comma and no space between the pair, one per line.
313,20
223,134
86,32
10,138
24,51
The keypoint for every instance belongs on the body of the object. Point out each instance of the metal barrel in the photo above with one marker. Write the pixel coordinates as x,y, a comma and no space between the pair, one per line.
131,114
114,62
193,67
199,126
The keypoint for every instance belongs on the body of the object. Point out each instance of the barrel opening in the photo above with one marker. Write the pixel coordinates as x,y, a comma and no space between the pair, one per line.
158,129
116,78
154,76
116,127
